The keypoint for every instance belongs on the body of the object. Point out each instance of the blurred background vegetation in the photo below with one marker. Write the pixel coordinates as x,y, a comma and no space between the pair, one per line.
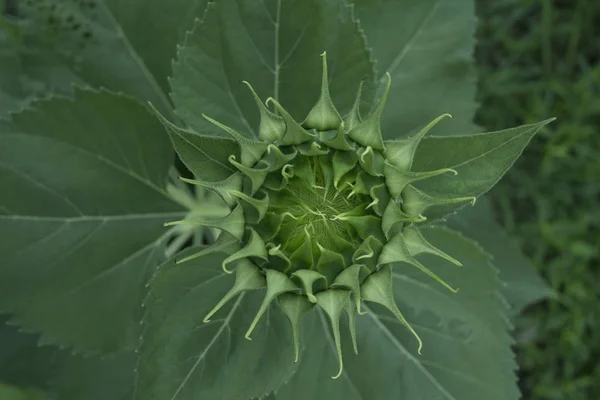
537,59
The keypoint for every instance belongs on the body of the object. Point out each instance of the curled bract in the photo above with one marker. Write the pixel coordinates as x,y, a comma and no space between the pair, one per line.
322,211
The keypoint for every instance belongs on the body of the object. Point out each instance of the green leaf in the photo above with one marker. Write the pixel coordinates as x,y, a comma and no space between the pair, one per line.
207,157
58,373
523,284
270,47
100,43
480,160
466,351
81,213
429,58
184,358
154,48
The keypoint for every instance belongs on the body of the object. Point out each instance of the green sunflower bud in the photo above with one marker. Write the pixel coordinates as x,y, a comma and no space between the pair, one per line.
321,212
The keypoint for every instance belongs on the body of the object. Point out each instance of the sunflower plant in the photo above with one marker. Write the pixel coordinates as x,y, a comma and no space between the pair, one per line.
265,213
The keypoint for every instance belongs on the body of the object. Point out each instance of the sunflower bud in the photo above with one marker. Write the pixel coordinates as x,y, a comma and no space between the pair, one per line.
322,210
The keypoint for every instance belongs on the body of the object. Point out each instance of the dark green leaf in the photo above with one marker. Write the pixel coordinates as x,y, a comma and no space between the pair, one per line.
82,209
152,28
523,285
59,374
480,160
427,47
207,157
121,45
466,345
274,45
184,358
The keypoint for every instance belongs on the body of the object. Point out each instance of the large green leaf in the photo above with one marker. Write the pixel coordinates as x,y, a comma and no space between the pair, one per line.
207,157
480,161
184,358
274,45
523,285
82,209
427,47
58,373
152,29
121,45
466,345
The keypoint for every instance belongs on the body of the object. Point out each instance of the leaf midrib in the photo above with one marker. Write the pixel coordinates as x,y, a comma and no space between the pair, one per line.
411,41
101,158
138,60
224,325
407,354
485,153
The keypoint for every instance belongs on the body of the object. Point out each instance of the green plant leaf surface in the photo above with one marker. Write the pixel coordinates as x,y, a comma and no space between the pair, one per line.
274,45
523,285
480,161
58,373
207,157
427,47
82,209
121,45
183,358
466,344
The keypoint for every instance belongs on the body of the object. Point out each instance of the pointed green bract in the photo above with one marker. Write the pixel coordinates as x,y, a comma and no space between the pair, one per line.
251,150
225,243
397,179
394,218
480,160
351,278
308,277
333,301
372,162
323,116
247,277
343,162
396,251
256,175
206,156
351,311
272,126
368,132
259,205
294,133
401,152
254,248
277,283
381,198
415,202
312,149
353,118
368,252
294,306
234,223
336,139
417,244
223,188
377,288
330,263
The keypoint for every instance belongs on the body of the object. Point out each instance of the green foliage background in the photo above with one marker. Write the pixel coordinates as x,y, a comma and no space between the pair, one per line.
539,58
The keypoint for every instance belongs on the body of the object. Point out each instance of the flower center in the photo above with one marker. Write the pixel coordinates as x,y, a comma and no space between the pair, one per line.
313,206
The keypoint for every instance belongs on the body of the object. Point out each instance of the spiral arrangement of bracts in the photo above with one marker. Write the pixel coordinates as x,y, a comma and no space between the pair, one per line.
320,211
